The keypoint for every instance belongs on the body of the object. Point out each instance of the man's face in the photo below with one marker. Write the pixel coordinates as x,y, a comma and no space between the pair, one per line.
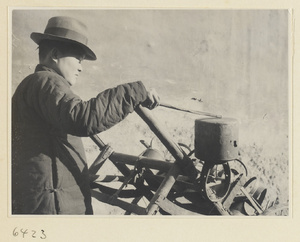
69,65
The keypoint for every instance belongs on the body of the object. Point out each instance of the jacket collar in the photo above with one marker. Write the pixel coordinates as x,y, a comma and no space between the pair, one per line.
41,67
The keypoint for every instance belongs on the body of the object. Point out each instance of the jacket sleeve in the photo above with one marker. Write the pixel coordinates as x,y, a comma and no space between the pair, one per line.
66,111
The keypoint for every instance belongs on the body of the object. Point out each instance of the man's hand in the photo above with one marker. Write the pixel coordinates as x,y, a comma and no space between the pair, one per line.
152,100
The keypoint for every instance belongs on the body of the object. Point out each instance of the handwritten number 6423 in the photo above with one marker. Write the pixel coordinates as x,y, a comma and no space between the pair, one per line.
25,231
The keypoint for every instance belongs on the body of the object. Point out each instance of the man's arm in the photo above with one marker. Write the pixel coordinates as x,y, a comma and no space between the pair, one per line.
85,118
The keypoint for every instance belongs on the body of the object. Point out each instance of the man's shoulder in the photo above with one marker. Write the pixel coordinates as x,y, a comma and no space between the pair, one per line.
43,82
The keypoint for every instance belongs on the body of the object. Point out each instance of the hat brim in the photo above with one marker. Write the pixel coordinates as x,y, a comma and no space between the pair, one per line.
38,37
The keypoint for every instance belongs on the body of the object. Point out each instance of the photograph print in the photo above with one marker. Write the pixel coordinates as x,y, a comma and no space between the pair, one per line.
150,112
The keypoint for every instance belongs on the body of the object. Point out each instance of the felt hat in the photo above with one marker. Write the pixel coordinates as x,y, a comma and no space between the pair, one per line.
66,29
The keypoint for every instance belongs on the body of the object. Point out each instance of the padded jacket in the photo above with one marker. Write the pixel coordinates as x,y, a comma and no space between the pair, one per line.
49,169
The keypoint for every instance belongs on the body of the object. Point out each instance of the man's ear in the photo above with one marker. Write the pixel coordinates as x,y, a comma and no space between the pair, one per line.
54,54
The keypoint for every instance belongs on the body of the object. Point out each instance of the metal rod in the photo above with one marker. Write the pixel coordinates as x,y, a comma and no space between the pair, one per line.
143,161
165,105
98,141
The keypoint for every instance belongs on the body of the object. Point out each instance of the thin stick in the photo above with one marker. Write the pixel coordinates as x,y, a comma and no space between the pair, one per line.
190,111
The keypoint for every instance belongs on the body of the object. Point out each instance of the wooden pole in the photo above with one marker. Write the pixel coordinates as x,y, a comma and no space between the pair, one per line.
174,149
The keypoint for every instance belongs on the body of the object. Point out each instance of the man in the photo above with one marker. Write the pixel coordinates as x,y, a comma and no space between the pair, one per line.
49,170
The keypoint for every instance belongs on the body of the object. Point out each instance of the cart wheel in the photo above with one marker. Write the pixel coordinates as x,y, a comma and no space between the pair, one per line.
215,181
